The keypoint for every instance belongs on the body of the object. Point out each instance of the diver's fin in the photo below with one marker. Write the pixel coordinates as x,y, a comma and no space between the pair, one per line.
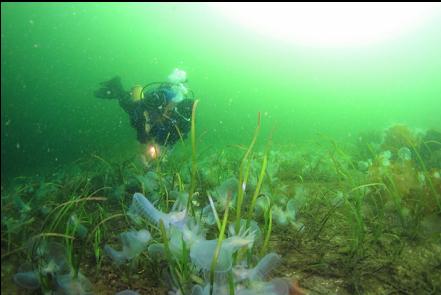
110,89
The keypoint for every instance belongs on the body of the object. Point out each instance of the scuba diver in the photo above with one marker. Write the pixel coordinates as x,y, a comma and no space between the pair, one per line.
160,111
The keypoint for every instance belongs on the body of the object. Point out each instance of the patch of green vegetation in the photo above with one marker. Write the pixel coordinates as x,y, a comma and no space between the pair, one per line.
372,228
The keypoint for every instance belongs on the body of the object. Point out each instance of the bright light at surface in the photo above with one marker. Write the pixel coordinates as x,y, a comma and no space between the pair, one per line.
330,24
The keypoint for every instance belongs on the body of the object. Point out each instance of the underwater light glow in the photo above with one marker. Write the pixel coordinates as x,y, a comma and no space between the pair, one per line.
152,151
330,24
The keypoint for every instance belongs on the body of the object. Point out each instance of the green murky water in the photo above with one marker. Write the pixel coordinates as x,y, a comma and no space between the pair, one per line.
354,135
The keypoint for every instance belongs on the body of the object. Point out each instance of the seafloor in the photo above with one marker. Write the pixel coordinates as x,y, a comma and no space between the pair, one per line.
359,217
